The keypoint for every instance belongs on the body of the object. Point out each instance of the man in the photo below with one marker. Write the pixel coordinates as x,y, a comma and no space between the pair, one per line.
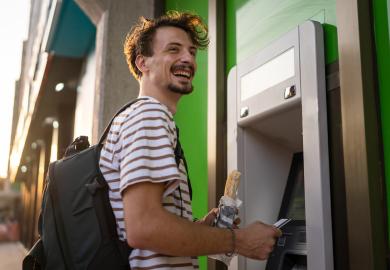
149,193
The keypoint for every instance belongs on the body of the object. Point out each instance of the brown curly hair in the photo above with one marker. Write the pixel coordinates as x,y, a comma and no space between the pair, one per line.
139,39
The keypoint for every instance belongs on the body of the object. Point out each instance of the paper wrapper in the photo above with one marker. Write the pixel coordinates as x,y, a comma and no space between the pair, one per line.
228,210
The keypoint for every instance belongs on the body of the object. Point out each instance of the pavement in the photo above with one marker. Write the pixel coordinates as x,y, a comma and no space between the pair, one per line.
11,255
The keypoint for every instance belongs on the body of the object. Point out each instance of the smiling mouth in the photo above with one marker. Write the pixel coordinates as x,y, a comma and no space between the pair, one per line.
183,72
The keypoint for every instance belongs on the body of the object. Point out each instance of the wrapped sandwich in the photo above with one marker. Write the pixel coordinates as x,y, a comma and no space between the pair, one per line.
228,209
232,183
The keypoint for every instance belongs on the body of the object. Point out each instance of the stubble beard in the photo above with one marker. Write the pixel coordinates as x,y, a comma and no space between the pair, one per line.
183,90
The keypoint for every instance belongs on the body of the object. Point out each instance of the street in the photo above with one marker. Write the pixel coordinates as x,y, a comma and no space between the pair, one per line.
11,255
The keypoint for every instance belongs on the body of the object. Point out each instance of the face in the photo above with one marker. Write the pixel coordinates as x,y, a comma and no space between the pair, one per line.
172,65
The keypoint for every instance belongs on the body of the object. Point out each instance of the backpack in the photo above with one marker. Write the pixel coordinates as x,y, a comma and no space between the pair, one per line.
76,225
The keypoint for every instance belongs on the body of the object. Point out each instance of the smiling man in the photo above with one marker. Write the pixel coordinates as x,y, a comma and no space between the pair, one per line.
149,190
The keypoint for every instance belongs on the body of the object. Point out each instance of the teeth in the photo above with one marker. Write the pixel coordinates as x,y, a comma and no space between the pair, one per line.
183,73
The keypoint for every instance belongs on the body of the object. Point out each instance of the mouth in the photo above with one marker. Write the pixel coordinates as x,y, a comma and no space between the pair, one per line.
183,71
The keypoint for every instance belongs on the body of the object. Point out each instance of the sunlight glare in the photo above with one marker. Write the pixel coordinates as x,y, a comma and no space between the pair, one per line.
14,31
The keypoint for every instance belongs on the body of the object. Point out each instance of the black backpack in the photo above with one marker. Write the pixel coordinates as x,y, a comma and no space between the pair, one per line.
77,225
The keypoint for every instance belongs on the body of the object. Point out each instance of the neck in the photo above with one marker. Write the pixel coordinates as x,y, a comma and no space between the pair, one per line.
164,96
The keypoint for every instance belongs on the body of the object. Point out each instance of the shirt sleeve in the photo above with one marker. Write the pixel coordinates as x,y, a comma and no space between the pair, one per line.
147,149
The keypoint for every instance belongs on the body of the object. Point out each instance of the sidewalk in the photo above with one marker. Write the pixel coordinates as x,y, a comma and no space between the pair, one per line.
11,255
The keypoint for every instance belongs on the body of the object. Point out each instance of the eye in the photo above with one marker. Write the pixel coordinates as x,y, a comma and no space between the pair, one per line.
173,49
193,51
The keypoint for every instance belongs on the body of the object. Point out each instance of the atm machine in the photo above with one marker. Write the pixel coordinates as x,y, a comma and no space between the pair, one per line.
278,140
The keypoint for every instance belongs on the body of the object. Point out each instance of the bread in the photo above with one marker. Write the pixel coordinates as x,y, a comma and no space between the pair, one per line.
232,183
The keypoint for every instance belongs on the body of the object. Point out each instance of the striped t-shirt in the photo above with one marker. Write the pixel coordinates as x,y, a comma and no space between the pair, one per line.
140,147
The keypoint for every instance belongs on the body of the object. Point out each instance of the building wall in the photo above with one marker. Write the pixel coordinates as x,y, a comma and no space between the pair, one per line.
114,85
27,86
85,97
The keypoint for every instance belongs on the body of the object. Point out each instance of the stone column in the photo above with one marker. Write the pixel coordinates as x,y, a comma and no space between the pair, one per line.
114,85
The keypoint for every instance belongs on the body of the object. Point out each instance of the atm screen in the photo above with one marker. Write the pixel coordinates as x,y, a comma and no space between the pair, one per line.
293,204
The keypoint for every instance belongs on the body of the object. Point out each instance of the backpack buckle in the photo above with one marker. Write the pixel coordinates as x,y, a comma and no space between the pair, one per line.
94,186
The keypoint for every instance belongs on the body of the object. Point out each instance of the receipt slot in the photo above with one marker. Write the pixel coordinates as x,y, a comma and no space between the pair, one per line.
276,117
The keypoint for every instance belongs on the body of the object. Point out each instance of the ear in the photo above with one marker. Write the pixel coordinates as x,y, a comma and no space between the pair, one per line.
140,62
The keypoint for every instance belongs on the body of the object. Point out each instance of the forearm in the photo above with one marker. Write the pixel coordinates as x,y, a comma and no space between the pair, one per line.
149,226
169,234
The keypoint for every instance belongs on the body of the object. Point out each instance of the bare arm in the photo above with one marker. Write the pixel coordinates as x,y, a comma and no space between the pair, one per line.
149,226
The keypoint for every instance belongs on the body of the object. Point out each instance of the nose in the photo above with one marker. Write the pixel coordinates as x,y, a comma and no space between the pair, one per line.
188,57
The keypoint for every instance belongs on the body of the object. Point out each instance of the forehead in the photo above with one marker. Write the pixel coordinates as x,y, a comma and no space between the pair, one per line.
170,34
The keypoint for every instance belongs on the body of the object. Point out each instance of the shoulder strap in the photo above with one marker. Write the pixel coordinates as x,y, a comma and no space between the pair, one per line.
107,129
179,154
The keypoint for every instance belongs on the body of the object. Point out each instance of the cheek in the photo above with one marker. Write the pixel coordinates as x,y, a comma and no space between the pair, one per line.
167,69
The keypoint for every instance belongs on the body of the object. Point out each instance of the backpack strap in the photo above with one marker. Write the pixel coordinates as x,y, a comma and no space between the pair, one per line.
179,155
58,220
35,258
107,129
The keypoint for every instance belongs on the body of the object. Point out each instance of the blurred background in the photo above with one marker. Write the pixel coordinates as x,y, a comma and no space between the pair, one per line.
14,22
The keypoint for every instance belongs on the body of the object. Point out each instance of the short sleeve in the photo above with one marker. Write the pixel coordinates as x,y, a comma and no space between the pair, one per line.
146,153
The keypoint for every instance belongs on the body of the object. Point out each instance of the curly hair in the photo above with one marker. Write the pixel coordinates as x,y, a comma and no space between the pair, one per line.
139,39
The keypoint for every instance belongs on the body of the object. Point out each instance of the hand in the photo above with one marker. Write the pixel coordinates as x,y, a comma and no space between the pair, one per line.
257,240
236,223
209,218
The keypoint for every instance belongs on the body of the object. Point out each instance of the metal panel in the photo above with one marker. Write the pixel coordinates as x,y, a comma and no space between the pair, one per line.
315,148
232,137
216,109
363,157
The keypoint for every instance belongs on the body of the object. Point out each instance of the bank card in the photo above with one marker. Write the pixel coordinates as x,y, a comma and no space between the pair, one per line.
281,222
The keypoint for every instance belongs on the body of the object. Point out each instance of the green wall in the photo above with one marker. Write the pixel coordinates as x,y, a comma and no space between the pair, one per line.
381,30
191,118
253,24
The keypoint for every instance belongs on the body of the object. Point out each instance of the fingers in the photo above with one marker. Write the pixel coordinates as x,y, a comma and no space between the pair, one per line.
259,240
278,232
210,217
265,251
237,221
215,211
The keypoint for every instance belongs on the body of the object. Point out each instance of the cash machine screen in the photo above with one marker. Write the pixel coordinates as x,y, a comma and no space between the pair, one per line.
290,250
293,204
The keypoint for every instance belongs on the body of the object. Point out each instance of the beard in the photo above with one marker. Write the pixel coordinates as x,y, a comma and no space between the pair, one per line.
181,89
